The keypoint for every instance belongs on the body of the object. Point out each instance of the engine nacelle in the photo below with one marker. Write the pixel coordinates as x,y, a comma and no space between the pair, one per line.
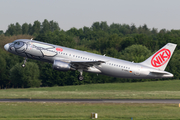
62,66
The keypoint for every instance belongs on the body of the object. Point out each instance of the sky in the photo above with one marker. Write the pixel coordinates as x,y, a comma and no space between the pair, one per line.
160,14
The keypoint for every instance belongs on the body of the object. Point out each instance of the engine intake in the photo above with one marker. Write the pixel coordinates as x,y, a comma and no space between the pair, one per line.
61,66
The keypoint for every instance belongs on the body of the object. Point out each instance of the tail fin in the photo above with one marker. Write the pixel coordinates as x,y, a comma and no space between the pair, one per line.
160,59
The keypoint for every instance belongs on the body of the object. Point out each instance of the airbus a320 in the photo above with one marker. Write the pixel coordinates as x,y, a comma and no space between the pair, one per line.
63,59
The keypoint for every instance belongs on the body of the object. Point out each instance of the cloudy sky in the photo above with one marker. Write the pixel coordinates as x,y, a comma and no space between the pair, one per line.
160,14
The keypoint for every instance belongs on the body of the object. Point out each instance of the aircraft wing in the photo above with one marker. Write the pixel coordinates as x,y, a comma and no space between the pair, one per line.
84,64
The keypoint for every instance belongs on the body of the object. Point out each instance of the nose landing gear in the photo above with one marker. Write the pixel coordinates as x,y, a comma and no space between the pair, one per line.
25,60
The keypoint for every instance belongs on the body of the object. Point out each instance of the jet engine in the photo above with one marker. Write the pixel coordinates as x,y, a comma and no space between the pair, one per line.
61,66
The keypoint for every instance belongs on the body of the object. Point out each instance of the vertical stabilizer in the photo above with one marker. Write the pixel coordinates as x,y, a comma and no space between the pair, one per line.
160,59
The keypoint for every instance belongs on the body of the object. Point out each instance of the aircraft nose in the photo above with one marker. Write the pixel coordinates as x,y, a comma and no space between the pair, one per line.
6,47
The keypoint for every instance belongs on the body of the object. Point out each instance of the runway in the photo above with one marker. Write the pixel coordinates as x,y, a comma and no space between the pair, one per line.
95,100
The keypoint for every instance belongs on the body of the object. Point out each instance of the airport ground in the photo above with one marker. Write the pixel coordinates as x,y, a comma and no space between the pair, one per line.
115,111
77,111
140,90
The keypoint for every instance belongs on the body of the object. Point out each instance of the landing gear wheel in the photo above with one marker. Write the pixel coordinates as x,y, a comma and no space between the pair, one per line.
23,65
80,77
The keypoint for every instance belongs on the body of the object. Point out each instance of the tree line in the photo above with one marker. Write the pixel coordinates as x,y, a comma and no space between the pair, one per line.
121,41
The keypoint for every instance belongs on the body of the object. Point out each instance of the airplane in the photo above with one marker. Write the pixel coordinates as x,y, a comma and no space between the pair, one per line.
64,59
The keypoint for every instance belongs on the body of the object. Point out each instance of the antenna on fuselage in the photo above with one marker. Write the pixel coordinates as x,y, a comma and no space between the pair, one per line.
31,38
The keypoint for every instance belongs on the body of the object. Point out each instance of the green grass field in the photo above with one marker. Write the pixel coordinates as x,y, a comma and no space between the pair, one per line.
82,111
139,90
77,111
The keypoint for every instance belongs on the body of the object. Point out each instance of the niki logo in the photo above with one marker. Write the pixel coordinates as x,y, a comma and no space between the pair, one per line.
59,49
161,57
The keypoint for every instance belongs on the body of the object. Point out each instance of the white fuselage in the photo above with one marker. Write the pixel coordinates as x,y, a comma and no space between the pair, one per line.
112,66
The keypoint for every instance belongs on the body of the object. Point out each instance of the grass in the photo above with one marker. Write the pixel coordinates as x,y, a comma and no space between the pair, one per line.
141,90
76,111
82,111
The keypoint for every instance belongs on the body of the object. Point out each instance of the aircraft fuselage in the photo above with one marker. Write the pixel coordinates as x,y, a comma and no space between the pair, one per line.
111,66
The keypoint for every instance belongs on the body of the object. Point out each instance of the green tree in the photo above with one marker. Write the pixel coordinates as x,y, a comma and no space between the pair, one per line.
25,28
14,29
154,31
45,26
57,38
53,26
36,28
96,26
30,30
11,30
2,72
25,77
1,32
136,53
133,29
174,65
104,26
18,29
116,40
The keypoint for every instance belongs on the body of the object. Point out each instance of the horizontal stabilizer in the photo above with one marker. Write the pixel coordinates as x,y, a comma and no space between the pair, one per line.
159,72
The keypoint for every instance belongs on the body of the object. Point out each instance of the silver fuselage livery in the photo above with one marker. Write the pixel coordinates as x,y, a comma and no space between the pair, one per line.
64,58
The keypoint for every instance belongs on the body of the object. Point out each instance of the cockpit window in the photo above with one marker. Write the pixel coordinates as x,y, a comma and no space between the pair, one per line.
17,43
14,42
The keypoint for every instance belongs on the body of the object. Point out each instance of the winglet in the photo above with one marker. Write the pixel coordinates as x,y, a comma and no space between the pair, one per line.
160,59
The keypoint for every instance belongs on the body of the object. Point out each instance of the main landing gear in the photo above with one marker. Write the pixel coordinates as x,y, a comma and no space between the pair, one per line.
25,60
80,77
